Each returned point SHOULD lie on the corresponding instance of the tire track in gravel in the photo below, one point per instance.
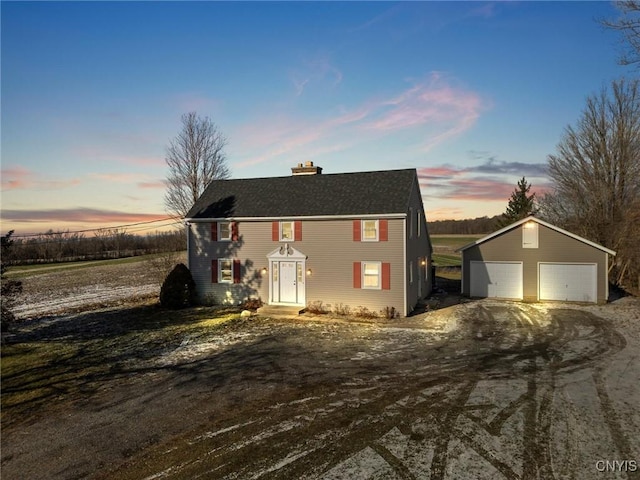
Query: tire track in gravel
(424, 417)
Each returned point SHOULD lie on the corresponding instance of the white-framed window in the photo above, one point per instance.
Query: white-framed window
(419, 222)
(299, 273)
(224, 231)
(372, 275)
(225, 270)
(411, 272)
(530, 235)
(410, 222)
(370, 230)
(287, 231)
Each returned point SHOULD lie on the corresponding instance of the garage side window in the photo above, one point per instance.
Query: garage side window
(530, 235)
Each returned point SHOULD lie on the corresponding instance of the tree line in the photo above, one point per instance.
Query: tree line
(105, 243)
(468, 226)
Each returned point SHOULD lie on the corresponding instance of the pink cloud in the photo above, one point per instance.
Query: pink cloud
(86, 215)
(446, 111)
(158, 184)
(20, 178)
(117, 177)
(443, 213)
(434, 110)
(16, 178)
(478, 189)
(141, 161)
(429, 173)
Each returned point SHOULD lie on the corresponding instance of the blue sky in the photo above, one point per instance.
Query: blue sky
(474, 95)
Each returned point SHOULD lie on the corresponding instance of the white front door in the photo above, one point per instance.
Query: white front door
(287, 271)
(288, 290)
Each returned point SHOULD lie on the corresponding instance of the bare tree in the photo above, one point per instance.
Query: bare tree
(195, 157)
(595, 174)
(629, 26)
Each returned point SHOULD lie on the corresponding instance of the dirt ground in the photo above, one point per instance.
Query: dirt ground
(483, 389)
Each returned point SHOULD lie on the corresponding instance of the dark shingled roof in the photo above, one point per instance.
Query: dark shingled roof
(361, 193)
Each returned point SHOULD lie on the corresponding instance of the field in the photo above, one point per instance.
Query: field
(79, 286)
(445, 246)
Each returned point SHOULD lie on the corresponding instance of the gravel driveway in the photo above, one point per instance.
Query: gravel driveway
(480, 390)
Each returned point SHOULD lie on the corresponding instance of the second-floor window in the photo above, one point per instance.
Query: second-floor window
(286, 231)
(224, 231)
(370, 230)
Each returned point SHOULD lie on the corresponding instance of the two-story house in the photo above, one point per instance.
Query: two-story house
(356, 239)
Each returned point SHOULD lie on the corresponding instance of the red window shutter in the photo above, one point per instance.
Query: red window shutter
(386, 276)
(214, 231)
(384, 230)
(357, 236)
(236, 271)
(234, 231)
(297, 231)
(275, 231)
(214, 270)
(357, 275)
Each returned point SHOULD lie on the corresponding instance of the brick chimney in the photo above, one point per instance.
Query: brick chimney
(306, 169)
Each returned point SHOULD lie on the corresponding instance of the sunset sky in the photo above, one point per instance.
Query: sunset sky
(473, 95)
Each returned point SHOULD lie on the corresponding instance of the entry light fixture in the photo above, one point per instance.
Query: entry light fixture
(309, 272)
(264, 270)
(423, 262)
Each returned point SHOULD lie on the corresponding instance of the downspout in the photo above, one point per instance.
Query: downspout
(606, 278)
(188, 225)
(404, 267)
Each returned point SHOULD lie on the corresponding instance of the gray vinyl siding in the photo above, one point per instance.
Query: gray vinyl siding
(553, 246)
(330, 251)
(418, 247)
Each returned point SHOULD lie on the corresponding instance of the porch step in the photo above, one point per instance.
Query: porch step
(279, 310)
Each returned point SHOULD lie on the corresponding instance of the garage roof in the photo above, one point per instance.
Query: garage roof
(541, 222)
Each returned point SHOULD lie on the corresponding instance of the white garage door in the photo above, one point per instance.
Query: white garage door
(572, 282)
(496, 279)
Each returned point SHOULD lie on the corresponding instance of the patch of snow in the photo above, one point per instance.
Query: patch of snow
(292, 457)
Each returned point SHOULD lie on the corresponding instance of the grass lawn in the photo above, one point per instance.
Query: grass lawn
(446, 260)
(445, 246)
(78, 354)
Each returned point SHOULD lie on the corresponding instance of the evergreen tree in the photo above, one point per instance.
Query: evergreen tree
(521, 204)
(178, 289)
(10, 288)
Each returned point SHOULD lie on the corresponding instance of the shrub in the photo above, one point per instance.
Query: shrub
(364, 312)
(389, 313)
(252, 304)
(10, 288)
(342, 309)
(316, 307)
(178, 289)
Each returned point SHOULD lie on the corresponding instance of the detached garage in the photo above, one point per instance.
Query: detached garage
(533, 260)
